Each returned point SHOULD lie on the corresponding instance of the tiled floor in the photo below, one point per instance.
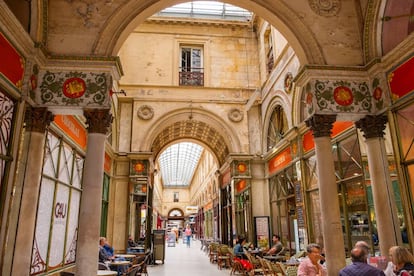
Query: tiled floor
(183, 261)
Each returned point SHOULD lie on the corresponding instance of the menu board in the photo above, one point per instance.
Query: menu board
(261, 225)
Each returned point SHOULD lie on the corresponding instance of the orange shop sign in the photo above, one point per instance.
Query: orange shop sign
(337, 128)
(280, 161)
(71, 127)
(107, 163)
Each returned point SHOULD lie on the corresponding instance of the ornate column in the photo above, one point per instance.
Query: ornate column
(321, 126)
(382, 191)
(37, 120)
(98, 122)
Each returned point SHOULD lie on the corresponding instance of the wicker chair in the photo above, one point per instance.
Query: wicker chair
(223, 256)
(257, 266)
(292, 270)
(212, 253)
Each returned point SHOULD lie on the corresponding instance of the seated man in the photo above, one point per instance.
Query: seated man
(103, 255)
(106, 253)
(277, 246)
(359, 266)
(131, 242)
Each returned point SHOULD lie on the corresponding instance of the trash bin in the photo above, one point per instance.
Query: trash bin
(159, 245)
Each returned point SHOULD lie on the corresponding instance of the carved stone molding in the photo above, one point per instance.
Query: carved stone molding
(38, 119)
(98, 120)
(145, 112)
(325, 7)
(235, 115)
(372, 126)
(321, 125)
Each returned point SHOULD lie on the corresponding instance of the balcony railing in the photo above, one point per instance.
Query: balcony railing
(192, 76)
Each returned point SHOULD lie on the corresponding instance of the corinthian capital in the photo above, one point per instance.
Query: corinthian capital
(37, 119)
(373, 126)
(321, 125)
(98, 120)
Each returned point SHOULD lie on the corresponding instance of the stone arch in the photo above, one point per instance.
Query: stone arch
(197, 125)
(175, 209)
(372, 33)
(133, 13)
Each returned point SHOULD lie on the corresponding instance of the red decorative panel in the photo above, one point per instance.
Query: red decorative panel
(12, 63)
(401, 78)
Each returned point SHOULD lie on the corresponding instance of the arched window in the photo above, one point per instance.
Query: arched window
(277, 127)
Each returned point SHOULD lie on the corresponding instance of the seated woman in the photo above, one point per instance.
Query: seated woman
(238, 249)
(402, 260)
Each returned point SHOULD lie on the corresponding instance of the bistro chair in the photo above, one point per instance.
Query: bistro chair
(131, 271)
(223, 256)
(236, 266)
(257, 267)
(292, 270)
(103, 266)
(212, 253)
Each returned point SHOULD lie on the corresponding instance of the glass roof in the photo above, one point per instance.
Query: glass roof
(178, 162)
(207, 9)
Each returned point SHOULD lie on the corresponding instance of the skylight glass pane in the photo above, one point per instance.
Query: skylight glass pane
(178, 162)
(207, 9)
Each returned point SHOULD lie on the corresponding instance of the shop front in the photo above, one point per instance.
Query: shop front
(358, 218)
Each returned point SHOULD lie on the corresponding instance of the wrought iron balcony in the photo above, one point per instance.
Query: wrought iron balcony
(192, 76)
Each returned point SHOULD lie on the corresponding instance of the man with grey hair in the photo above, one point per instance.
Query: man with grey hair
(359, 266)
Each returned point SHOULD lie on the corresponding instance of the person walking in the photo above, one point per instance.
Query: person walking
(188, 233)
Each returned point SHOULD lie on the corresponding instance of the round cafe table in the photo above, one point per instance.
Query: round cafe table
(117, 263)
(126, 256)
(106, 272)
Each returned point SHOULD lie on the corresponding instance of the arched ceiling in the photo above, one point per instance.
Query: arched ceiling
(320, 32)
(192, 129)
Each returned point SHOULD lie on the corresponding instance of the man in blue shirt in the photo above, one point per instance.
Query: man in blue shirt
(359, 266)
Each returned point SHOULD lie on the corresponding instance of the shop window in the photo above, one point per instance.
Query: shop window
(277, 127)
(283, 206)
(347, 158)
(191, 71)
(58, 209)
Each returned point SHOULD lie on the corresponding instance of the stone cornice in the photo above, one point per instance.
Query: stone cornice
(328, 71)
(95, 63)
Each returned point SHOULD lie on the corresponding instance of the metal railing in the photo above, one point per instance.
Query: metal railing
(191, 77)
